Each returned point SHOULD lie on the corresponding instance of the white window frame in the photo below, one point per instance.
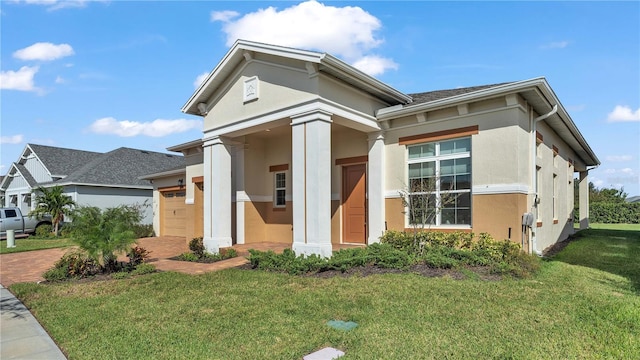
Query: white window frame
(277, 188)
(438, 158)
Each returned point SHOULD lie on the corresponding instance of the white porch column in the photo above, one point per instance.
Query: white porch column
(375, 187)
(240, 194)
(584, 199)
(217, 195)
(311, 183)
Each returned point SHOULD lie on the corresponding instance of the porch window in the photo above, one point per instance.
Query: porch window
(280, 193)
(13, 200)
(440, 182)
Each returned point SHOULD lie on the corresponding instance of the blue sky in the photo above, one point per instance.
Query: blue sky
(97, 75)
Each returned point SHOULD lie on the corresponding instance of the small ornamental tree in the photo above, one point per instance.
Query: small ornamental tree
(423, 202)
(103, 234)
(52, 201)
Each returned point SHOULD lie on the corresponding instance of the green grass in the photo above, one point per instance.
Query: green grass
(632, 227)
(29, 244)
(583, 304)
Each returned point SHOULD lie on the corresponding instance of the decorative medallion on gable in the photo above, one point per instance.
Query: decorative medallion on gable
(250, 89)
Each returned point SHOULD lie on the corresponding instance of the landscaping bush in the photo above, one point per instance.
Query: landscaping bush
(104, 233)
(137, 255)
(74, 264)
(44, 231)
(198, 254)
(614, 213)
(143, 230)
(196, 245)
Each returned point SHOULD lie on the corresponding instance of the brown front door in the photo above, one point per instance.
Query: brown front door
(354, 206)
(199, 210)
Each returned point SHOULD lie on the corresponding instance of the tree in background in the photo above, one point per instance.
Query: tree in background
(608, 205)
(52, 201)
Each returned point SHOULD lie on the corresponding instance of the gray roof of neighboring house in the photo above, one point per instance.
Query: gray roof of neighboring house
(633, 199)
(61, 161)
(419, 98)
(26, 175)
(123, 166)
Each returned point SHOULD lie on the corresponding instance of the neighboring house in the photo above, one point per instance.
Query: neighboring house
(89, 178)
(633, 199)
(302, 148)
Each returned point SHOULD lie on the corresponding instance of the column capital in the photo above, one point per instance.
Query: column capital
(375, 136)
(309, 116)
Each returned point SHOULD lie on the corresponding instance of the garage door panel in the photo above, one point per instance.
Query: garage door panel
(172, 222)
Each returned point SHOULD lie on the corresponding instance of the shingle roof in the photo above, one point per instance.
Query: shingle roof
(62, 161)
(124, 166)
(26, 175)
(419, 98)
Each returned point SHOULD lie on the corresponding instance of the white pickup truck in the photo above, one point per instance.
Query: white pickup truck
(12, 219)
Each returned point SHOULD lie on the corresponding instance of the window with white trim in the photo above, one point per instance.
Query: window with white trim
(279, 191)
(440, 182)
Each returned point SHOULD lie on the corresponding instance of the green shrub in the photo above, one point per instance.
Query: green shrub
(137, 255)
(188, 257)
(196, 245)
(103, 233)
(614, 213)
(143, 230)
(142, 269)
(56, 274)
(72, 265)
(44, 231)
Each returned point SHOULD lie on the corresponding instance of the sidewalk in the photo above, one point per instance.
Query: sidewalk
(21, 336)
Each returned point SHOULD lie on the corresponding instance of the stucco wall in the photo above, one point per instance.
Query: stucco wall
(279, 87)
(104, 197)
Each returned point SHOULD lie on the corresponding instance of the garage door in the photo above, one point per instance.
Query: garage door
(173, 210)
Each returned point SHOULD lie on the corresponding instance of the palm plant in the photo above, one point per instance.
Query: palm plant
(102, 234)
(52, 201)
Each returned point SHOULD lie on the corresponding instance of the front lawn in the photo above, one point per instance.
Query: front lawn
(29, 244)
(580, 305)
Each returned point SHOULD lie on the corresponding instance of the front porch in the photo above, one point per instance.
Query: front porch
(310, 182)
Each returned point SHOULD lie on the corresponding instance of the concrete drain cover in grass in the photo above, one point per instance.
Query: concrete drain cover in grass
(327, 353)
(342, 325)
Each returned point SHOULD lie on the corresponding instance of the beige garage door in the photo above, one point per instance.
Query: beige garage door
(173, 210)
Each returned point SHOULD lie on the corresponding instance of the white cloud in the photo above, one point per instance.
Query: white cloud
(200, 79)
(224, 16)
(374, 65)
(348, 32)
(619, 158)
(155, 128)
(19, 80)
(628, 171)
(14, 139)
(53, 5)
(44, 51)
(60, 80)
(623, 113)
(610, 171)
(555, 45)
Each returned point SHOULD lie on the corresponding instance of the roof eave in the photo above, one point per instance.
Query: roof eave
(366, 81)
(539, 83)
(185, 146)
(163, 174)
(232, 58)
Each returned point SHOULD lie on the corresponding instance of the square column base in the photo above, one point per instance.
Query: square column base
(213, 244)
(322, 250)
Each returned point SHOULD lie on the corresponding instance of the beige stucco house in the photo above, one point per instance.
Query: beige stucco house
(302, 148)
